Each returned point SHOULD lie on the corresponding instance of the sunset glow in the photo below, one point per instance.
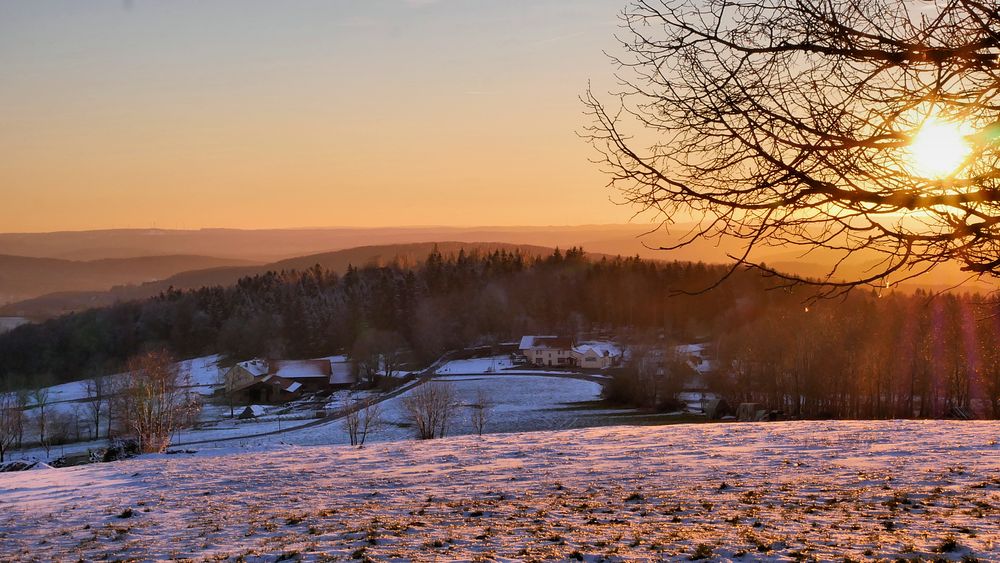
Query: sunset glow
(939, 149)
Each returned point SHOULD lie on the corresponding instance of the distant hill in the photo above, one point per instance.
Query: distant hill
(334, 248)
(270, 245)
(61, 302)
(25, 277)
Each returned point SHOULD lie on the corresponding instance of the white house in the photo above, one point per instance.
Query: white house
(561, 351)
(548, 350)
(596, 355)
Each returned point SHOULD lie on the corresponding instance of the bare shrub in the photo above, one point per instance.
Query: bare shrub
(479, 412)
(152, 403)
(431, 408)
(363, 417)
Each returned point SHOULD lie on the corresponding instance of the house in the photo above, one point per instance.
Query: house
(596, 355)
(547, 350)
(244, 373)
(562, 351)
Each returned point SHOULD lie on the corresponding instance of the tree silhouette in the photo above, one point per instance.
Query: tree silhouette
(794, 123)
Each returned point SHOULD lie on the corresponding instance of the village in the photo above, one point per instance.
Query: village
(540, 382)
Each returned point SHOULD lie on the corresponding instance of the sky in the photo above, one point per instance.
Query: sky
(264, 114)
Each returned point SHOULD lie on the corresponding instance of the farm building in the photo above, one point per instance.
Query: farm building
(313, 375)
(268, 389)
(275, 381)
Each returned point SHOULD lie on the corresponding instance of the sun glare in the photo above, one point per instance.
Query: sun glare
(938, 150)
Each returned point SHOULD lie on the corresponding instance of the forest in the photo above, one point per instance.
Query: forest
(864, 355)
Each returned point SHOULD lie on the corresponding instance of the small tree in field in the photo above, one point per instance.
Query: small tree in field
(10, 420)
(230, 381)
(22, 398)
(97, 393)
(40, 395)
(363, 417)
(431, 408)
(480, 411)
(151, 403)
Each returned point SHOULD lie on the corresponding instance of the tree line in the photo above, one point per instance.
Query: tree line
(868, 356)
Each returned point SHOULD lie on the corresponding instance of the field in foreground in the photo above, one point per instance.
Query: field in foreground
(782, 491)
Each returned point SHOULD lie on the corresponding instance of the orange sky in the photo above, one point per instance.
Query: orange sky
(246, 113)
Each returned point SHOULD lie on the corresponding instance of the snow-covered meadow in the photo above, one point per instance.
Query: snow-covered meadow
(768, 491)
(520, 403)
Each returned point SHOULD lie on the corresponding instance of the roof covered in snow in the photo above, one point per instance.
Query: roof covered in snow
(300, 369)
(255, 367)
(546, 343)
(600, 348)
(274, 381)
(341, 373)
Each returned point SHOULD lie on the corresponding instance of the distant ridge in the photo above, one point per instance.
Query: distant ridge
(23, 277)
(56, 303)
(270, 245)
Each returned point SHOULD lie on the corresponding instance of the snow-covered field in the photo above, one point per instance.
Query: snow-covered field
(778, 491)
(520, 403)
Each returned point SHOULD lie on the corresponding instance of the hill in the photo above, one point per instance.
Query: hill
(270, 245)
(61, 302)
(24, 277)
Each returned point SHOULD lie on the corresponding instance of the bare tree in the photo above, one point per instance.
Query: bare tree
(230, 381)
(40, 397)
(97, 393)
(431, 407)
(480, 411)
(152, 403)
(866, 129)
(363, 417)
(22, 397)
(10, 416)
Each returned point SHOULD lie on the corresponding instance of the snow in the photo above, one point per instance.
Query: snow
(10, 323)
(302, 369)
(601, 347)
(202, 372)
(23, 465)
(255, 367)
(539, 342)
(476, 365)
(341, 373)
(748, 492)
(520, 403)
(66, 392)
(256, 410)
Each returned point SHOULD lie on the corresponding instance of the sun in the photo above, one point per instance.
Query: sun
(938, 149)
